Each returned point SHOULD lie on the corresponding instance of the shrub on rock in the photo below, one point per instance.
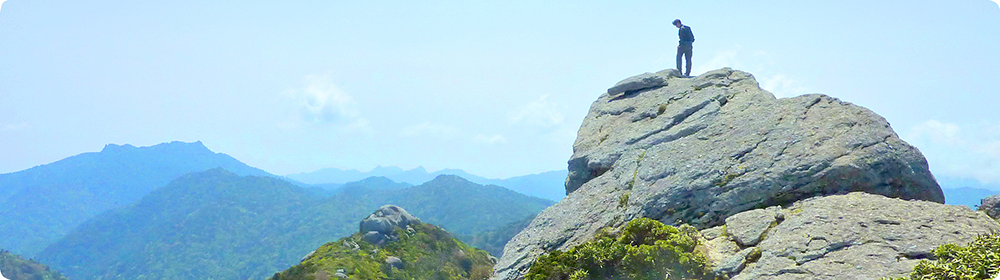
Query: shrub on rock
(979, 260)
(642, 249)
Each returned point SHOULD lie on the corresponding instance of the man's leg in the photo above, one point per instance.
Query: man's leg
(680, 52)
(687, 55)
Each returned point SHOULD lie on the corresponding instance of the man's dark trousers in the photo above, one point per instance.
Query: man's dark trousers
(684, 50)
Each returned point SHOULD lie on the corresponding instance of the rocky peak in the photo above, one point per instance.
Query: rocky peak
(698, 150)
(380, 227)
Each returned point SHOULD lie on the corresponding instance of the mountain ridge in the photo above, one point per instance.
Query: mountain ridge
(42, 203)
(547, 185)
(221, 225)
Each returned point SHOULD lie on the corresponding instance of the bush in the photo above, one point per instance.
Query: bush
(979, 260)
(642, 249)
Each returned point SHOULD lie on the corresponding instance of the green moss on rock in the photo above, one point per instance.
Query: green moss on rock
(427, 252)
(642, 249)
(979, 260)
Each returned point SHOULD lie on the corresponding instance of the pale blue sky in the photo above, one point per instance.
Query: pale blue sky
(497, 88)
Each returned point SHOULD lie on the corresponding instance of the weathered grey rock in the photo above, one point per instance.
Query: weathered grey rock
(735, 263)
(386, 219)
(644, 81)
(376, 238)
(748, 227)
(341, 274)
(394, 262)
(852, 236)
(310, 254)
(991, 205)
(702, 149)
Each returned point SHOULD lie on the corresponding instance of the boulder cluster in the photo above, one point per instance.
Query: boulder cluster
(808, 185)
(380, 227)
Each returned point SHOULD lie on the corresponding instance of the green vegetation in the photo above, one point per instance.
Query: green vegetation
(427, 252)
(642, 249)
(623, 199)
(14, 267)
(216, 224)
(979, 260)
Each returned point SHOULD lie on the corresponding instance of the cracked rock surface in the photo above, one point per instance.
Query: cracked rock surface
(698, 150)
(852, 236)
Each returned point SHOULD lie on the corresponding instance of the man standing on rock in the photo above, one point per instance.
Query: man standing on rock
(685, 47)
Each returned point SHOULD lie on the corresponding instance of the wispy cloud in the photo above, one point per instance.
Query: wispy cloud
(15, 127)
(960, 150)
(782, 86)
(726, 58)
(320, 101)
(540, 113)
(427, 129)
(762, 65)
(489, 140)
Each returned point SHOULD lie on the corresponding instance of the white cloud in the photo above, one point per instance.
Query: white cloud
(960, 150)
(761, 64)
(782, 86)
(727, 58)
(320, 101)
(17, 127)
(490, 140)
(540, 113)
(430, 129)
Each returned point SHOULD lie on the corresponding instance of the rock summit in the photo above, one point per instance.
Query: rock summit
(700, 150)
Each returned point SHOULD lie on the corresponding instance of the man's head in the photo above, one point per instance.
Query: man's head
(677, 23)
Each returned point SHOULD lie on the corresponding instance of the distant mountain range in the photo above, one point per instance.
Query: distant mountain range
(219, 225)
(548, 185)
(41, 204)
(965, 191)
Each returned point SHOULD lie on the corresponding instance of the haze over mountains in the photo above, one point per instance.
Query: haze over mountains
(42, 203)
(216, 224)
(547, 185)
(178, 210)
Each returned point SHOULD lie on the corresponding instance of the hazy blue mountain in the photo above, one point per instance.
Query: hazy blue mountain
(493, 241)
(547, 185)
(41, 204)
(216, 224)
(966, 192)
(461, 206)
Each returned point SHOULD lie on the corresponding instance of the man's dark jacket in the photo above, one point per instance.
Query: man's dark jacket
(686, 36)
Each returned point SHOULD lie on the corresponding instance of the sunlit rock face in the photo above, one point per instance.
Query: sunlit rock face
(698, 150)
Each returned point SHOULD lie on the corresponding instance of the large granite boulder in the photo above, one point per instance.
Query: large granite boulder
(380, 227)
(991, 205)
(852, 236)
(698, 150)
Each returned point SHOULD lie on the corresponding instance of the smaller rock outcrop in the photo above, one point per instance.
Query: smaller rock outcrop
(392, 244)
(380, 227)
(852, 236)
(644, 81)
(394, 262)
(991, 205)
